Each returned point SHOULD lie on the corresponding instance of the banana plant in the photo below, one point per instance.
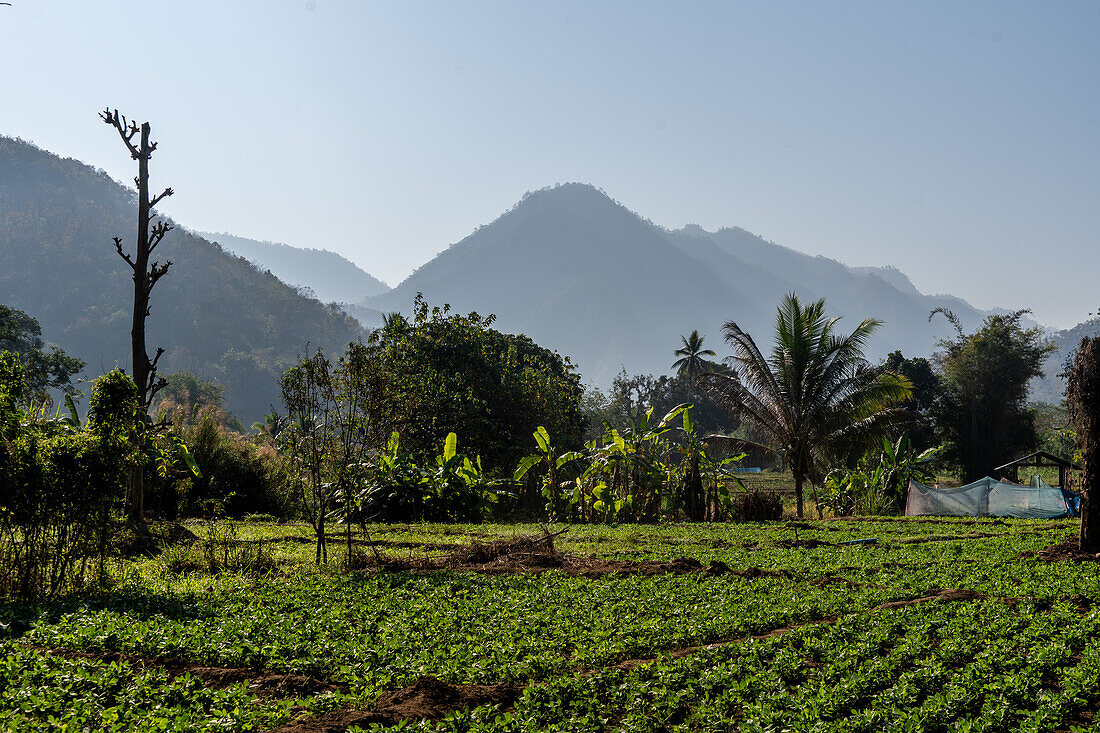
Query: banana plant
(625, 475)
(459, 487)
(704, 481)
(548, 455)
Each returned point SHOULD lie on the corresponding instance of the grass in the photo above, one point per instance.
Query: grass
(1021, 654)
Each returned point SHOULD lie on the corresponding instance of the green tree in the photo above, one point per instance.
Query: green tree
(691, 361)
(927, 391)
(44, 369)
(816, 396)
(626, 403)
(983, 413)
(449, 373)
(60, 482)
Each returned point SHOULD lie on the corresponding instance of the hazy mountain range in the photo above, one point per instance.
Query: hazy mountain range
(580, 273)
(330, 277)
(567, 265)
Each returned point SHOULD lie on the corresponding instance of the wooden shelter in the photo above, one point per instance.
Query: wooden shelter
(1039, 459)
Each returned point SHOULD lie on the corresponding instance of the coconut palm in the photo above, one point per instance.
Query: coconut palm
(816, 397)
(691, 361)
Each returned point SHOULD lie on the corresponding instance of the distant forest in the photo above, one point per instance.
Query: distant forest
(215, 314)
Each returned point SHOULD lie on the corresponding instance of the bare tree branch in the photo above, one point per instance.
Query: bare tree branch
(156, 272)
(157, 234)
(123, 255)
(126, 130)
(157, 199)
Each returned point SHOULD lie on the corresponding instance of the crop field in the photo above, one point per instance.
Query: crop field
(938, 625)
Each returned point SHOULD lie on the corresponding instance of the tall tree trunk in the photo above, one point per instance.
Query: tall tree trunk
(145, 276)
(798, 493)
(1083, 401)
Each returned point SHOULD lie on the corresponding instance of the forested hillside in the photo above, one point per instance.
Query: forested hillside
(332, 277)
(214, 314)
(582, 274)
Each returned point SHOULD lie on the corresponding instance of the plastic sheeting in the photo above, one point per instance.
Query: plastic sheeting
(988, 497)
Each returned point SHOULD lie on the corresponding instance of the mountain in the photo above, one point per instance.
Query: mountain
(580, 273)
(333, 278)
(1051, 387)
(215, 314)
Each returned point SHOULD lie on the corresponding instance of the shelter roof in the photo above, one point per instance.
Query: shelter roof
(1039, 459)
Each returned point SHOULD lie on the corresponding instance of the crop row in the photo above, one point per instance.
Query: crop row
(980, 666)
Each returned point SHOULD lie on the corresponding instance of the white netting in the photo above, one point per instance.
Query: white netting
(988, 498)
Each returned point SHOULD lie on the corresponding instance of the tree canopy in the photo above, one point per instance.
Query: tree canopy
(983, 412)
(454, 373)
(45, 367)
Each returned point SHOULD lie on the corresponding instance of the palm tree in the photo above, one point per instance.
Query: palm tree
(691, 361)
(816, 396)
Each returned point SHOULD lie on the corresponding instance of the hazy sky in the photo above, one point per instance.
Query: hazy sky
(957, 141)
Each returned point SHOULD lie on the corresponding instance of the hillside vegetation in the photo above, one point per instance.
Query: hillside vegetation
(214, 314)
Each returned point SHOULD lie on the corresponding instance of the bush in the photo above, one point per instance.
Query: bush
(756, 505)
(238, 476)
(59, 482)
(221, 551)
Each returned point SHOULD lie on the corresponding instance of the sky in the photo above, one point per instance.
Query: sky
(955, 141)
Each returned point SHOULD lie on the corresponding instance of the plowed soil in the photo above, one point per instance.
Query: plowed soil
(265, 683)
(1068, 551)
(426, 699)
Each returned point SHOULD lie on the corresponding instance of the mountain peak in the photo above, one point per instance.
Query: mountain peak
(569, 196)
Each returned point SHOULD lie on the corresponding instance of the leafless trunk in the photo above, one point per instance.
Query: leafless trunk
(1083, 401)
(145, 276)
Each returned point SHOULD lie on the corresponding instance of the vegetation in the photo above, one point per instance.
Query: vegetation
(983, 414)
(691, 362)
(43, 370)
(807, 633)
(60, 482)
(449, 373)
(816, 398)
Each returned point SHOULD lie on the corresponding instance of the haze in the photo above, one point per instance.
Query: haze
(956, 142)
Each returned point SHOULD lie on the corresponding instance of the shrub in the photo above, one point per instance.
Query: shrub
(238, 477)
(59, 483)
(221, 551)
(756, 505)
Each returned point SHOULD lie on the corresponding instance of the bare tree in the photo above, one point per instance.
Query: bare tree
(150, 234)
(1083, 401)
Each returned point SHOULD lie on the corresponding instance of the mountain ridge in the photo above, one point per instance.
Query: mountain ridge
(215, 314)
(646, 279)
(332, 277)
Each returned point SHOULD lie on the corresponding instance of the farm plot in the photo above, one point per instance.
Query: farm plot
(938, 625)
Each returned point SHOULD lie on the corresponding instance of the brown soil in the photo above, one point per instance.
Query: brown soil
(536, 553)
(427, 699)
(265, 683)
(1067, 551)
(947, 595)
(808, 544)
